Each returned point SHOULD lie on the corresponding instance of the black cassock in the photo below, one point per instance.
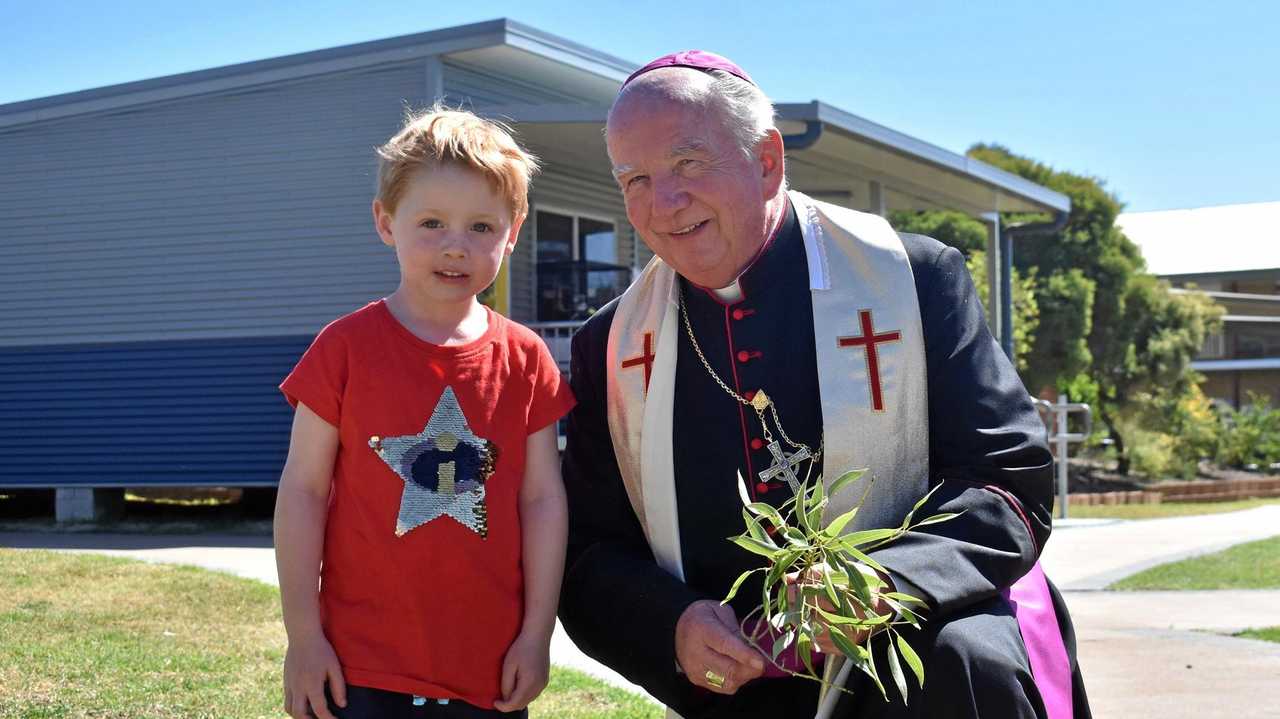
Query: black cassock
(986, 440)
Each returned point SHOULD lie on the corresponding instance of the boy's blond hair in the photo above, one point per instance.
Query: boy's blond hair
(440, 135)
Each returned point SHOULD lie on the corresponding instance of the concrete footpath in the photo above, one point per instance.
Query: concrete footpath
(1144, 654)
(1167, 654)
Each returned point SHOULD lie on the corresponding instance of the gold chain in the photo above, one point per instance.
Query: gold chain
(758, 402)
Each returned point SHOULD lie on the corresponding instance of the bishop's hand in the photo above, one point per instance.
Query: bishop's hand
(813, 576)
(710, 649)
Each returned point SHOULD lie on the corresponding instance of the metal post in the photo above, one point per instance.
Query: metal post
(1060, 434)
(993, 274)
(1006, 294)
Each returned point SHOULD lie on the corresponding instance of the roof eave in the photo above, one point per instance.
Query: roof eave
(918, 149)
(290, 67)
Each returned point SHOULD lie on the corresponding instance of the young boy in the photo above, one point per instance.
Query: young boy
(422, 491)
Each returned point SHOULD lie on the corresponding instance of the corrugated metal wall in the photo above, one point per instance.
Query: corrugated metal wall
(187, 412)
(241, 214)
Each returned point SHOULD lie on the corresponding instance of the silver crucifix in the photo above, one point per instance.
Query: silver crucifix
(784, 464)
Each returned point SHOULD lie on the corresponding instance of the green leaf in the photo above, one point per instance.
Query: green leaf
(737, 583)
(860, 556)
(781, 643)
(936, 519)
(913, 660)
(857, 581)
(922, 502)
(768, 512)
(837, 619)
(755, 530)
(896, 670)
(815, 514)
(804, 647)
(854, 540)
(909, 616)
(870, 670)
(837, 525)
(832, 596)
(844, 480)
(848, 648)
(742, 491)
(755, 546)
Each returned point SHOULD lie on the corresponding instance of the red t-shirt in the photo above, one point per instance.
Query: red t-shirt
(421, 585)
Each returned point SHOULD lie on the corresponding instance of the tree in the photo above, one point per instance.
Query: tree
(1105, 324)
(969, 235)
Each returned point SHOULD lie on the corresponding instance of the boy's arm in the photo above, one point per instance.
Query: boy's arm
(544, 529)
(302, 505)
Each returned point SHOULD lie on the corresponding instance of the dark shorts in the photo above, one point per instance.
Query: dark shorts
(366, 703)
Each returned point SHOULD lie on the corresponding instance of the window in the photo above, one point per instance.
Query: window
(577, 264)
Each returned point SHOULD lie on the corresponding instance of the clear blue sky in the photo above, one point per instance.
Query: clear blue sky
(1174, 104)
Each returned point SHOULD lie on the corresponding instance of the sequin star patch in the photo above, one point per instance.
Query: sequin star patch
(444, 468)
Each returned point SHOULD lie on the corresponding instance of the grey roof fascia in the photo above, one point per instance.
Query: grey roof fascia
(567, 51)
(377, 52)
(1255, 273)
(1247, 319)
(1235, 364)
(914, 148)
(1237, 296)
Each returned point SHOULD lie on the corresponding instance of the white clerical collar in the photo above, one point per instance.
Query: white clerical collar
(729, 295)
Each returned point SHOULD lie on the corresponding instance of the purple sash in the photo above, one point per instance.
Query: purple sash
(1050, 667)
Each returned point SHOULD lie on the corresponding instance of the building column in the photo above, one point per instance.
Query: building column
(87, 504)
(435, 79)
(995, 289)
(875, 199)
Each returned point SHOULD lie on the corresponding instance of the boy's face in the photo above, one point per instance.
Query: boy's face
(450, 232)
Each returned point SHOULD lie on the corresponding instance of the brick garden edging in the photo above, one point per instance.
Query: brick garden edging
(1197, 491)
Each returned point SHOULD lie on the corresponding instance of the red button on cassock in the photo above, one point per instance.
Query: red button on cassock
(738, 314)
(762, 488)
(743, 355)
(757, 443)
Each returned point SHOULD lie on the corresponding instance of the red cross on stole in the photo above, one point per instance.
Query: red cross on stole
(868, 340)
(645, 359)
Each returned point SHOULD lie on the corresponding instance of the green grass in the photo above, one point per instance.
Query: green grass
(1164, 509)
(1267, 634)
(89, 636)
(1255, 565)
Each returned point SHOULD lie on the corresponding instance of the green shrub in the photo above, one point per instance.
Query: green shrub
(1153, 455)
(1250, 435)
(1197, 431)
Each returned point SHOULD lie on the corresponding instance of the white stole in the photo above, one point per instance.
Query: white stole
(856, 265)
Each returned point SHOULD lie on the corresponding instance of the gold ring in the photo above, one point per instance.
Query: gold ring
(714, 679)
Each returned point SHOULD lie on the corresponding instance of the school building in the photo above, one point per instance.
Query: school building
(169, 247)
(1232, 253)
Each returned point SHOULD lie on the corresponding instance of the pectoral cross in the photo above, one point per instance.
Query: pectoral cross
(784, 464)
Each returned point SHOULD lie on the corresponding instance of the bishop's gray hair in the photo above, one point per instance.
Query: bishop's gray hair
(747, 111)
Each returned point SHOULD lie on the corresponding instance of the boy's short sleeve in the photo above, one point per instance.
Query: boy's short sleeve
(552, 398)
(319, 377)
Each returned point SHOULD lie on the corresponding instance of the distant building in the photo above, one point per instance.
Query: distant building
(1232, 252)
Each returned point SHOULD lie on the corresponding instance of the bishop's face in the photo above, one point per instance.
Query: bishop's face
(696, 199)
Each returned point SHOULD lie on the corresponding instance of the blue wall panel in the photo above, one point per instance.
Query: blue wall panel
(173, 413)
